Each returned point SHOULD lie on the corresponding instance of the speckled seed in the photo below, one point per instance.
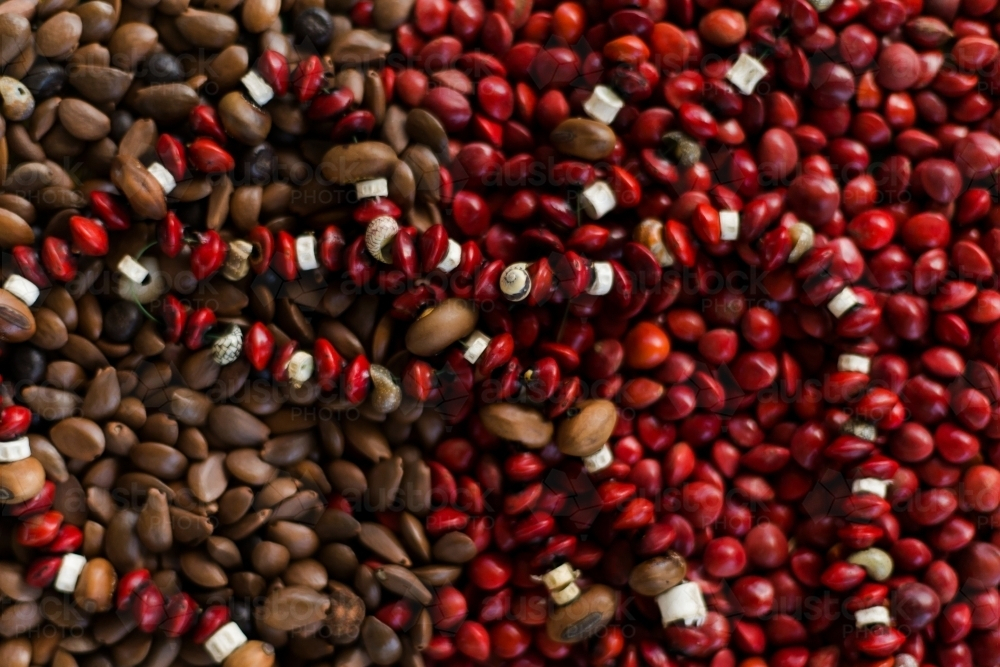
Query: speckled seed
(588, 430)
(517, 423)
(440, 326)
(582, 138)
(18, 102)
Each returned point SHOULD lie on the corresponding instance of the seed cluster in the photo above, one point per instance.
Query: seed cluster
(452, 332)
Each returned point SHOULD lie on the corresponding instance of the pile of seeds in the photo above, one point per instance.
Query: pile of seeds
(406, 331)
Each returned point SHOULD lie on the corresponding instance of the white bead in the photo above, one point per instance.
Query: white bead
(877, 563)
(378, 235)
(878, 487)
(598, 200)
(821, 6)
(603, 105)
(559, 577)
(163, 177)
(685, 603)
(860, 429)
(227, 348)
(904, 660)
(300, 367)
(601, 280)
(871, 616)
(599, 460)
(376, 187)
(730, 223)
(854, 363)
(746, 73)
(515, 283)
(475, 345)
(843, 302)
(305, 252)
(803, 238)
(649, 233)
(259, 89)
(15, 450)
(565, 595)
(451, 258)
(22, 288)
(133, 270)
(69, 572)
(224, 641)
(237, 260)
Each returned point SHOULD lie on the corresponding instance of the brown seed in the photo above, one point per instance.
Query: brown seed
(276, 491)
(131, 412)
(19, 618)
(141, 189)
(394, 128)
(269, 559)
(15, 34)
(367, 439)
(424, 127)
(374, 97)
(59, 36)
(306, 572)
(208, 30)
(518, 423)
(426, 171)
(187, 406)
(65, 375)
(340, 561)
(244, 206)
(100, 85)
(78, 438)
(207, 478)
(218, 211)
(287, 449)
(390, 14)
(95, 589)
(438, 575)
(104, 395)
(227, 67)
(254, 653)
(237, 427)
(414, 538)
(98, 21)
(583, 138)
(13, 585)
(14, 230)
(294, 607)
(153, 526)
(247, 466)
(140, 140)
(380, 641)
(158, 459)
(357, 48)
(165, 103)
(15, 652)
(347, 611)
(588, 430)
(454, 547)
(119, 438)
(130, 44)
(121, 544)
(402, 581)
(337, 526)
(384, 543)
(49, 457)
(584, 616)
(300, 540)
(383, 483)
(258, 15)
(440, 326)
(199, 568)
(349, 163)
(367, 587)
(658, 574)
(50, 330)
(191, 528)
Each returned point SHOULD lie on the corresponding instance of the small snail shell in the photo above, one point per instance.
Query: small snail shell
(379, 234)
(515, 283)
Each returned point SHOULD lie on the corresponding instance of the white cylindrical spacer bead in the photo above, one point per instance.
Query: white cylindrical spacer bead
(237, 260)
(872, 616)
(683, 603)
(451, 258)
(841, 304)
(378, 235)
(565, 595)
(224, 641)
(860, 429)
(133, 270)
(163, 177)
(515, 282)
(854, 363)
(821, 6)
(305, 252)
(559, 577)
(227, 348)
(601, 280)
(878, 487)
(69, 572)
(803, 237)
(260, 91)
(746, 73)
(475, 344)
(598, 199)
(599, 460)
(904, 660)
(730, 223)
(603, 105)
(15, 450)
(300, 367)
(22, 288)
(376, 187)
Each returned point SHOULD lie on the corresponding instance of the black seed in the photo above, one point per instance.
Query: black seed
(121, 121)
(163, 68)
(257, 164)
(313, 28)
(122, 321)
(27, 365)
(44, 80)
